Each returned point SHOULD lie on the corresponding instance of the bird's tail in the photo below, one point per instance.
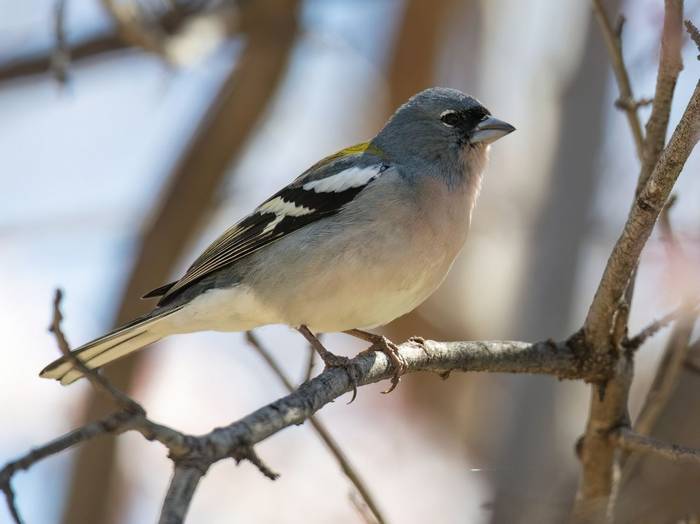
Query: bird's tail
(112, 346)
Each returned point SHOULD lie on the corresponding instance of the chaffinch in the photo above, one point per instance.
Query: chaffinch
(357, 240)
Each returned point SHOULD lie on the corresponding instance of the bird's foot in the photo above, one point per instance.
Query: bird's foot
(386, 346)
(331, 360)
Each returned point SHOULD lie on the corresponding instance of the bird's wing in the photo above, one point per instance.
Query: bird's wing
(319, 192)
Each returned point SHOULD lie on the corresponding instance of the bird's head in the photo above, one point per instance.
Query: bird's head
(442, 125)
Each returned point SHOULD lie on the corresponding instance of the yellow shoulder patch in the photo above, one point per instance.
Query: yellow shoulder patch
(357, 149)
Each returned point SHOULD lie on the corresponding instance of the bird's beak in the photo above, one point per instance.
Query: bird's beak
(490, 130)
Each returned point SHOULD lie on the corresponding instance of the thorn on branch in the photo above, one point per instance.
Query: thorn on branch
(249, 454)
(694, 33)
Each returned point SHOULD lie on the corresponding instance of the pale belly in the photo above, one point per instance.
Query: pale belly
(357, 296)
(332, 301)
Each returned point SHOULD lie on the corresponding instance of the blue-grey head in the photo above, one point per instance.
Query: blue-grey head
(441, 125)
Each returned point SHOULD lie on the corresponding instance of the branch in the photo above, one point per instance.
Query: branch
(670, 66)
(26, 66)
(557, 359)
(60, 59)
(673, 360)
(613, 41)
(323, 433)
(677, 348)
(630, 441)
(694, 34)
(96, 379)
(114, 423)
(606, 321)
(640, 223)
(180, 491)
(679, 314)
(169, 22)
(193, 455)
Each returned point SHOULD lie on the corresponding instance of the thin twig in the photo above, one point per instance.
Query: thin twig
(60, 58)
(97, 46)
(631, 441)
(95, 378)
(676, 350)
(322, 432)
(110, 424)
(613, 41)
(679, 313)
(11, 504)
(670, 66)
(667, 373)
(694, 34)
(361, 507)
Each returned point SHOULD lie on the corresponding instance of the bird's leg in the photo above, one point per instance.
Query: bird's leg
(329, 359)
(386, 346)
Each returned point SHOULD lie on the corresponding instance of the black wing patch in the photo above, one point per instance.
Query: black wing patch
(288, 210)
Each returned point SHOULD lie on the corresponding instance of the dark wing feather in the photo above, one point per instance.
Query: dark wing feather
(159, 291)
(286, 211)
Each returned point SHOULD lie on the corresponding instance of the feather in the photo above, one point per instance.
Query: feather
(321, 191)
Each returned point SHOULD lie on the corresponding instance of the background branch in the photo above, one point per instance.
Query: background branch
(323, 433)
(613, 41)
(631, 441)
(606, 323)
(232, 117)
(170, 22)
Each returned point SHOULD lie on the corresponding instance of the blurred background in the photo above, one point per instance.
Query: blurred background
(130, 137)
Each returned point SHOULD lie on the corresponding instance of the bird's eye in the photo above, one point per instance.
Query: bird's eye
(449, 118)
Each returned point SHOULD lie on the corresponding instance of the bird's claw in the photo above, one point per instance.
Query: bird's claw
(392, 352)
(338, 361)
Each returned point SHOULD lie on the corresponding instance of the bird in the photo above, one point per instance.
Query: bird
(360, 238)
